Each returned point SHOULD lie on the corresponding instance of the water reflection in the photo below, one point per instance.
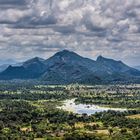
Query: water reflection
(70, 105)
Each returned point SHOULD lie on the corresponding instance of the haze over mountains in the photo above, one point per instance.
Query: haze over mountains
(5, 63)
(137, 67)
(68, 67)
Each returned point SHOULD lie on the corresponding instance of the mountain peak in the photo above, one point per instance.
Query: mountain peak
(36, 59)
(10, 66)
(100, 58)
(33, 60)
(68, 55)
(65, 52)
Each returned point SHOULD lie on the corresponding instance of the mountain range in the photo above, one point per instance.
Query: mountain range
(67, 67)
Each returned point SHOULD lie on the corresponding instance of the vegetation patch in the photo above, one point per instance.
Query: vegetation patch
(31, 113)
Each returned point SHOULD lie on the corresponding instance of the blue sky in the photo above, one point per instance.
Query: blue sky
(89, 27)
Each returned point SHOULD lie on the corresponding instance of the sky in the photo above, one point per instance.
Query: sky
(110, 28)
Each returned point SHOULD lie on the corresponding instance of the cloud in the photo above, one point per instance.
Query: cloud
(89, 27)
(12, 2)
(8, 4)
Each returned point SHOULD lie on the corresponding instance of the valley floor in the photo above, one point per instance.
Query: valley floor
(32, 112)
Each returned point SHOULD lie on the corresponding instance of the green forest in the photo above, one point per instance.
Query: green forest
(30, 112)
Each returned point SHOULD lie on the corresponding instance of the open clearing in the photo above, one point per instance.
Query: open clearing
(134, 116)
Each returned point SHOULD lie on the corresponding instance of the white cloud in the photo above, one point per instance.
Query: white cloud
(91, 27)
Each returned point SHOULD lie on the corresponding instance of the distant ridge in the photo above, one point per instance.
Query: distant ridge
(66, 67)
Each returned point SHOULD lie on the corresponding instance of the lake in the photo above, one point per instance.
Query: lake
(70, 105)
